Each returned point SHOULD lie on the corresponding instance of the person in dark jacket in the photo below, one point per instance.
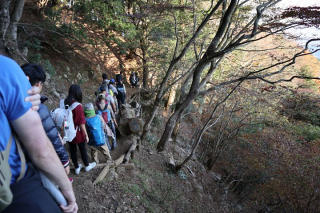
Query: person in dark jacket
(37, 77)
(134, 79)
(121, 90)
(52, 133)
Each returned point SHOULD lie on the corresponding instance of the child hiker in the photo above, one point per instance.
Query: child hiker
(96, 131)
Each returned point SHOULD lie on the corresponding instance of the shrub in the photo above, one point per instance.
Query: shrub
(307, 132)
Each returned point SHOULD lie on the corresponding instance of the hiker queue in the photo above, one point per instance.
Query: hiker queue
(34, 163)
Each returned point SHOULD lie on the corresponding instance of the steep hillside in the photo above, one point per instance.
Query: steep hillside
(250, 174)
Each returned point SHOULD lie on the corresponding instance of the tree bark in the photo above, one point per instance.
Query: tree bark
(4, 23)
(8, 28)
(171, 98)
(147, 126)
(145, 70)
(174, 61)
(193, 92)
(209, 56)
(176, 128)
(168, 131)
(15, 17)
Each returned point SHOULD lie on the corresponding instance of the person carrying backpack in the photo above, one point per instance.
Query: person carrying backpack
(106, 113)
(81, 138)
(121, 90)
(112, 87)
(105, 79)
(106, 83)
(96, 130)
(114, 93)
(21, 189)
(37, 77)
(110, 100)
(134, 79)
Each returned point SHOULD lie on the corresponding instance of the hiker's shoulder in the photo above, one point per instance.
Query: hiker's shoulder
(13, 89)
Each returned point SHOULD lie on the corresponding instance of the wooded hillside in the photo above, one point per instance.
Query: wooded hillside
(230, 102)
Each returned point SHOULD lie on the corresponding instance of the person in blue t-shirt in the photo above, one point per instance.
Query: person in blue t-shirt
(28, 193)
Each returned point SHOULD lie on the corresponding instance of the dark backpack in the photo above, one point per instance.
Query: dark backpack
(118, 77)
(120, 88)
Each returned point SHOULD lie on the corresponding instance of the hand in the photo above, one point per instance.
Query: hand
(115, 123)
(34, 97)
(87, 139)
(72, 206)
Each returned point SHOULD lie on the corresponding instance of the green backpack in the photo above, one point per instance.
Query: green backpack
(5, 173)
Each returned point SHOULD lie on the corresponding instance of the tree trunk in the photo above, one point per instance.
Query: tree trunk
(194, 90)
(157, 101)
(147, 125)
(145, 70)
(12, 33)
(176, 129)
(172, 97)
(8, 28)
(168, 131)
(15, 17)
(4, 23)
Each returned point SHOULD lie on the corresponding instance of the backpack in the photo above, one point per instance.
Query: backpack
(5, 170)
(95, 131)
(120, 88)
(105, 114)
(118, 77)
(63, 119)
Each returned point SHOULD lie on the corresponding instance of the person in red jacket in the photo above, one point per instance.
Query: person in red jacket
(75, 95)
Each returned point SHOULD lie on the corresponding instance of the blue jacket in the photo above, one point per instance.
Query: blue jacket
(52, 133)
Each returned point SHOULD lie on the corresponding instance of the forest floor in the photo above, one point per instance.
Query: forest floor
(150, 186)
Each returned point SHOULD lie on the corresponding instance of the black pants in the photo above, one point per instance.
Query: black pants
(83, 152)
(121, 97)
(30, 196)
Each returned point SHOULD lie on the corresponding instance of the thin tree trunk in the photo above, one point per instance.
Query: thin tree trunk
(208, 57)
(147, 126)
(12, 33)
(15, 17)
(4, 23)
(204, 129)
(176, 129)
(194, 90)
(174, 61)
(168, 131)
(145, 70)
(171, 98)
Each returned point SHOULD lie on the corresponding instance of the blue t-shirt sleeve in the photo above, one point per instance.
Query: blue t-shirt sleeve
(14, 86)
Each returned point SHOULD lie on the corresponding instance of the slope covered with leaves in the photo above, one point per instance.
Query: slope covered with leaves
(270, 164)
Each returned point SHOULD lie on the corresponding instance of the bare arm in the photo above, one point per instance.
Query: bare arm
(114, 108)
(42, 154)
(84, 130)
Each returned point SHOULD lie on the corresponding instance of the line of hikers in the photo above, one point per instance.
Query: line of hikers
(98, 127)
(32, 179)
